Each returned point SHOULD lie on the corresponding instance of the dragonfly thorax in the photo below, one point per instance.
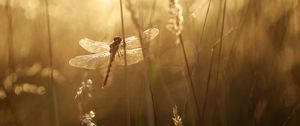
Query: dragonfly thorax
(117, 40)
(115, 45)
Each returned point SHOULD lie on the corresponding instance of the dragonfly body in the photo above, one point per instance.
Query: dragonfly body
(114, 47)
(104, 55)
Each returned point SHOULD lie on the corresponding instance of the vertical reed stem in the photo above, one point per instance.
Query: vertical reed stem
(209, 74)
(10, 43)
(198, 61)
(210, 69)
(202, 32)
(11, 62)
(54, 96)
(152, 13)
(147, 72)
(221, 41)
(207, 85)
(125, 67)
(138, 27)
(220, 52)
(189, 75)
(123, 33)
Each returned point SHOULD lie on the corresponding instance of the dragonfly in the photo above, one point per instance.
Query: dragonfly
(103, 54)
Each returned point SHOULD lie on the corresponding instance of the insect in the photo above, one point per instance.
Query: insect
(103, 55)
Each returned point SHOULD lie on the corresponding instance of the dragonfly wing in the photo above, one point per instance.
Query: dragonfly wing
(93, 46)
(133, 56)
(92, 61)
(150, 34)
(132, 42)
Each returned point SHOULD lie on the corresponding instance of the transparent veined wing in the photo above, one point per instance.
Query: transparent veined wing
(133, 41)
(93, 46)
(133, 56)
(150, 34)
(92, 61)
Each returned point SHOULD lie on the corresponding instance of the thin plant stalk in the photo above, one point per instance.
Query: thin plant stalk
(221, 41)
(11, 62)
(152, 13)
(210, 72)
(221, 46)
(198, 57)
(10, 43)
(123, 33)
(125, 67)
(202, 32)
(145, 55)
(175, 25)
(189, 75)
(50, 52)
(207, 84)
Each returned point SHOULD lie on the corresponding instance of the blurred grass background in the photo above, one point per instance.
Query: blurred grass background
(255, 80)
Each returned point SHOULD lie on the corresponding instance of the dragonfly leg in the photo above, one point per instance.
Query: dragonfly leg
(119, 53)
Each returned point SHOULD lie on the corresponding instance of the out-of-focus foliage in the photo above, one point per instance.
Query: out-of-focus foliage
(16, 82)
(176, 118)
(84, 86)
(87, 119)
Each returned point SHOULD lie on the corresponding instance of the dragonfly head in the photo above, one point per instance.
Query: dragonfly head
(117, 40)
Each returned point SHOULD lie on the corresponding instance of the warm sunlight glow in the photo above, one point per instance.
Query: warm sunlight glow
(149, 62)
(106, 2)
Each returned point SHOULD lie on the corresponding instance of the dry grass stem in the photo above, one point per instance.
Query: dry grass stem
(125, 62)
(175, 25)
(50, 54)
(145, 51)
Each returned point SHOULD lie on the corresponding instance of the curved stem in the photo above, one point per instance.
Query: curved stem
(192, 86)
(125, 67)
(50, 52)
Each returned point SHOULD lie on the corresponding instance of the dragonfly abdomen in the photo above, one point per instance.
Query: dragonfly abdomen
(113, 51)
(108, 71)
